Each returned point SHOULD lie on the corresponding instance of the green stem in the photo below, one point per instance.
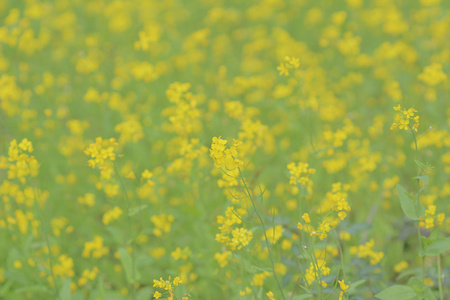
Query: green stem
(242, 269)
(264, 230)
(128, 203)
(124, 190)
(317, 269)
(419, 236)
(46, 239)
(420, 247)
(341, 252)
(441, 294)
(319, 279)
(415, 140)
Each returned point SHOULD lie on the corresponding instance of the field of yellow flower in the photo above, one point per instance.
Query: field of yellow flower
(224, 149)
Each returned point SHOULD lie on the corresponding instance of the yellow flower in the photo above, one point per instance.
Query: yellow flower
(111, 215)
(428, 281)
(274, 234)
(403, 119)
(432, 75)
(17, 264)
(177, 281)
(101, 152)
(270, 295)
(401, 266)
(306, 218)
(283, 69)
(146, 174)
(342, 285)
(291, 63)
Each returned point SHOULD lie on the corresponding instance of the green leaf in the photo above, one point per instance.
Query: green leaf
(423, 167)
(354, 285)
(134, 210)
(408, 204)
(422, 290)
(396, 292)
(64, 293)
(100, 288)
(33, 288)
(437, 247)
(407, 273)
(79, 295)
(432, 237)
(423, 178)
(421, 209)
(428, 294)
(5, 287)
(145, 293)
(127, 262)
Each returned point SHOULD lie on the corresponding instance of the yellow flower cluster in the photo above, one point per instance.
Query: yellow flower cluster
(103, 155)
(291, 63)
(343, 287)
(88, 275)
(365, 251)
(270, 295)
(164, 78)
(64, 267)
(20, 163)
(189, 152)
(130, 130)
(337, 199)
(224, 156)
(58, 224)
(259, 278)
(401, 266)
(316, 269)
(184, 116)
(222, 258)
(403, 118)
(274, 234)
(322, 230)
(95, 248)
(87, 199)
(245, 292)
(17, 196)
(233, 237)
(181, 253)
(432, 75)
(168, 286)
(300, 173)
(428, 221)
(163, 223)
(112, 215)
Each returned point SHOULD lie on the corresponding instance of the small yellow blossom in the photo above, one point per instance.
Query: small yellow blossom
(401, 266)
(111, 215)
(306, 218)
(432, 75)
(270, 295)
(290, 64)
(428, 281)
(403, 118)
(17, 264)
